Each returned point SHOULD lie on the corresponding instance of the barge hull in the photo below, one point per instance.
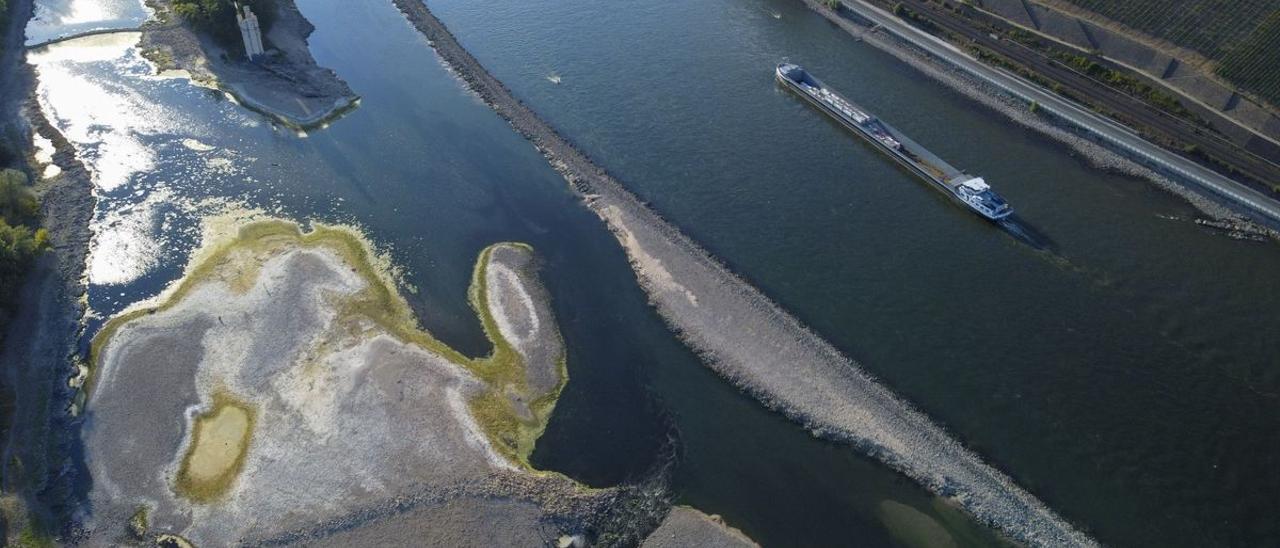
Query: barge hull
(888, 140)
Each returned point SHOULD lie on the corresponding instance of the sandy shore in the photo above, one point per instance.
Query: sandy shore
(756, 345)
(286, 85)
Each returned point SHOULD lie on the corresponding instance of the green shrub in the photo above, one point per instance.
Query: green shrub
(4, 21)
(17, 202)
(19, 243)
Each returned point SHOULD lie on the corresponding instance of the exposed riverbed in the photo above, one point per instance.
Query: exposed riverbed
(284, 376)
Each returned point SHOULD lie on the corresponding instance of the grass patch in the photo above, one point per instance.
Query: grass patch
(30, 538)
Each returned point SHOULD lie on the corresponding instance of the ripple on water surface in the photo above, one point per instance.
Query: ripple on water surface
(154, 148)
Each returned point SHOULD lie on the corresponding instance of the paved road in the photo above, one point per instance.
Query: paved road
(1117, 136)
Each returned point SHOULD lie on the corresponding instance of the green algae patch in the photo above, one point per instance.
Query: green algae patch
(173, 541)
(504, 370)
(139, 524)
(941, 524)
(219, 443)
(509, 414)
(911, 527)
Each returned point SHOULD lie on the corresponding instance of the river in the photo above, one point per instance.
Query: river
(1126, 374)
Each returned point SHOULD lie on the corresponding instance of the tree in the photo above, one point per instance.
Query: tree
(202, 11)
(17, 203)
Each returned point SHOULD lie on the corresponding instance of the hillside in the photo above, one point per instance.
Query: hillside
(1242, 37)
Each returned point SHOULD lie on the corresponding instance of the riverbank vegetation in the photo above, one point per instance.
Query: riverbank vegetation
(20, 239)
(1127, 83)
(4, 18)
(914, 18)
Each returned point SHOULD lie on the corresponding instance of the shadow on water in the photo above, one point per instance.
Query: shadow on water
(1026, 233)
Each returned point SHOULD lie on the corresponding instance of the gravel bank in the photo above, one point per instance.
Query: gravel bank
(755, 344)
(286, 84)
(685, 526)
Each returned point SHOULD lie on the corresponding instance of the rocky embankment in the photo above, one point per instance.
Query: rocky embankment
(755, 344)
(286, 84)
(282, 393)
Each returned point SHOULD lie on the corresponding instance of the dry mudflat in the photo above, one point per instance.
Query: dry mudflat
(283, 391)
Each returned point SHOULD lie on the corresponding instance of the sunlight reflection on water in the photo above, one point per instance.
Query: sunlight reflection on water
(54, 18)
(143, 145)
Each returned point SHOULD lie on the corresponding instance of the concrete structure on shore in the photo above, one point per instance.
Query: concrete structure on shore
(294, 91)
(250, 32)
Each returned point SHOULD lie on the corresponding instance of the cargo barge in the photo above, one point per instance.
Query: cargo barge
(971, 191)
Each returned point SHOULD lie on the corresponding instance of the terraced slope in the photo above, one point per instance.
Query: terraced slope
(1241, 36)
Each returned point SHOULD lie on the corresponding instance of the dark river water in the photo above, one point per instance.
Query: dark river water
(1128, 375)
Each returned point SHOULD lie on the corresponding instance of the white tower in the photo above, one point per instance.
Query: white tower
(250, 32)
